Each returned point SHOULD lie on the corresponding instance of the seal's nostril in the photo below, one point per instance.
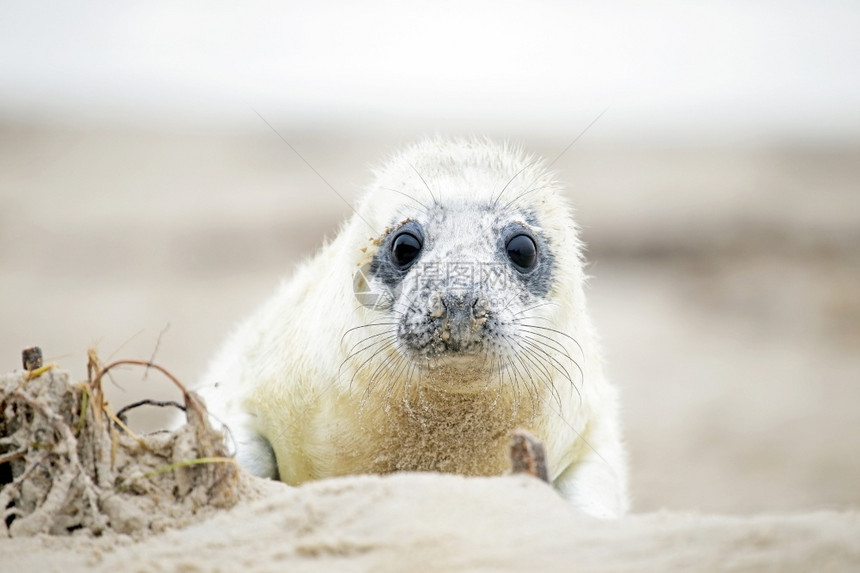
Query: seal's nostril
(435, 305)
(480, 308)
(461, 308)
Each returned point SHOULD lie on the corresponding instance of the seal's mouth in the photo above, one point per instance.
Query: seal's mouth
(457, 372)
(458, 361)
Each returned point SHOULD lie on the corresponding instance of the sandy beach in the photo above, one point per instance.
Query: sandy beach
(725, 283)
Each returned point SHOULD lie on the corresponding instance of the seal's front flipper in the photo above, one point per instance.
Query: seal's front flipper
(528, 455)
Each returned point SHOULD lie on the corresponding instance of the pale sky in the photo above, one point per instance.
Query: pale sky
(731, 69)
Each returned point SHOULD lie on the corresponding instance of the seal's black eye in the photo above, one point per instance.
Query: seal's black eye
(405, 249)
(523, 252)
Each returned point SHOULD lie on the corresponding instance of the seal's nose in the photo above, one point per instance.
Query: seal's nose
(450, 304)
(460, 313)
(459, 303)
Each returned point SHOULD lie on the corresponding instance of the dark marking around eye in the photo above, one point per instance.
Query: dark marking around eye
(536, 278)
(405, 244)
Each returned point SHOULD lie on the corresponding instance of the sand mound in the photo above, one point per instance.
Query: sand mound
(430, 522)
(70, 464)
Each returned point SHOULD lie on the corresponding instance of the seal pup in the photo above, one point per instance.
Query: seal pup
(448, 312)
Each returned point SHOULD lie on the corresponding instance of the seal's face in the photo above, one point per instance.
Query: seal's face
(465, 278)
(474, 273)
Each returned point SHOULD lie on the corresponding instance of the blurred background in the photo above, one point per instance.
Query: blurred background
(145, 207)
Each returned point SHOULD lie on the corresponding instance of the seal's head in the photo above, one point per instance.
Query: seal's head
(478, 259)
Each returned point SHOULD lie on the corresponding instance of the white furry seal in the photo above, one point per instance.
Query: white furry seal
(470, 322)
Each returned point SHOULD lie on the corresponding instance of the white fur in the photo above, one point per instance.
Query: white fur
(283, 378)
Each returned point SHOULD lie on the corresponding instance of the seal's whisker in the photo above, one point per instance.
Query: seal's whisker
(389, 344)
(500, 391)
(559, 332)
(366, 338)
(523, 194)
(495, 201)
(491, 378)
(540, 364)
(424, 181)
(337, 377)
(535, 317)
(507, 304)
(408, 196)
(536, 384)
(555, 364)
(391, 337)
(368, 325)
(546, 350)
(515, 386)
(389, 369)
(381, 367)
(566, 355)
(407, 390)
(394, 377)
(558, 346)
(533, 386)
(372, 382)
(542, 304)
